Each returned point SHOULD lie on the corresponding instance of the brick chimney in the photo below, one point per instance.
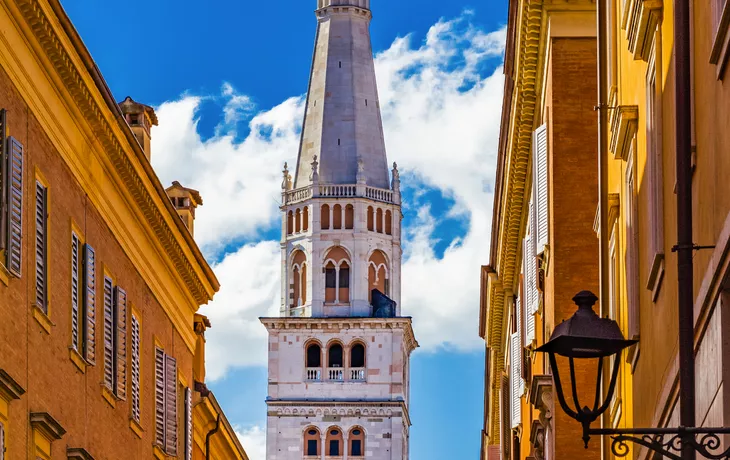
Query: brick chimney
(140, 118)
(185, 201)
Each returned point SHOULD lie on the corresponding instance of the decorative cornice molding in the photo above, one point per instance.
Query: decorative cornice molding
(624, 124)
(299, 323)
(136, 182)
(47, 425)
(78, 454)
(640, 21)
(339, 408)
(9, 388)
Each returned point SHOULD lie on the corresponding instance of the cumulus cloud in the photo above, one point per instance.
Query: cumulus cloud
(253, 441)
(441, 120)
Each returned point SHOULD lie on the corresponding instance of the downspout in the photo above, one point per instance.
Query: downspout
(603, 238)
(685, 245)
(209, 435)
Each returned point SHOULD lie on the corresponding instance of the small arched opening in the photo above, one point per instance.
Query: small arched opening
(337, 217)
(379, 220)
(349, 217)
(334, 442)
(378, 274)
(388, 222)
(371, 219)
(314, 361)
(311, 442)
(357, 442)
(290, 223)
(337, 276)
(305, 219)
(298, 280)
(325, 217)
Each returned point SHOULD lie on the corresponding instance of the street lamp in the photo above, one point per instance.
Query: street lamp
(587, 336)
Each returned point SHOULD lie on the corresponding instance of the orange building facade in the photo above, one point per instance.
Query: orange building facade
(102, 353)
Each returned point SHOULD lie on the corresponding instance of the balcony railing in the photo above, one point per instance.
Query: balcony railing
(357, 374)
(336, 374)
(338, 191)
(314, 374)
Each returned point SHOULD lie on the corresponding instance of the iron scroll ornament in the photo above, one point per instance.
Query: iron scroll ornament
(668, 441)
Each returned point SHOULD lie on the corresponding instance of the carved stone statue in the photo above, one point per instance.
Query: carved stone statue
(395, 184)
(286, 183)
(314, 176)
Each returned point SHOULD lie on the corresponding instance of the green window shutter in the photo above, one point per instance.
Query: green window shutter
(15, 207)
(41, 246)
(120, 344)
(170, 405)
(109, 334)
(160, 397)
(90, 303)
(75, 291)
(135, 369)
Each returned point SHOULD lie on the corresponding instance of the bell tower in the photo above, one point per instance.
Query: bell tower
(339, 351)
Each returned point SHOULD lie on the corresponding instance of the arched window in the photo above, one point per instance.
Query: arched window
(298, 221)
(305, 219)
(325, 217)
(357, 442)
(378, 274)
(334, 442)
(314, 355)
(357, 355)
(379, 220)
(334, 356)
(337, 276)
(311, 442)
(349, 217)
(299, 279)
(290, 223)
(371, 219)
(330, 283)
(344, 282)
(337, 217)
(388, 222)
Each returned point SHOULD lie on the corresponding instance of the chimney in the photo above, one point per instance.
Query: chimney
(185, 201)
(140, 118)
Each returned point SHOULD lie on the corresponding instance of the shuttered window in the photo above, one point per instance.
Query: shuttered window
(75, 292)
(3, 181)
(14, 206)
(41, 246)
(530, 299)
(188, 424)
(120, 346)
(516, 365)
(166, 423)
(109, 356)
(540, 187)
(135, 369)
(90, 304)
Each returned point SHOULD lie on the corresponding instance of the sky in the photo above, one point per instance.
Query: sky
(228, 82)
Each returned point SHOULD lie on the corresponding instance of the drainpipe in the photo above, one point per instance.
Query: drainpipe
(602, 43)
(685, 269)
(209, 435)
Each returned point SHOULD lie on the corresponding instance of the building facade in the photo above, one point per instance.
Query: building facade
(543, 244)
(101, 347)
(339, 351)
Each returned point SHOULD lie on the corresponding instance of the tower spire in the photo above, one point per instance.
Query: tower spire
(342, 120)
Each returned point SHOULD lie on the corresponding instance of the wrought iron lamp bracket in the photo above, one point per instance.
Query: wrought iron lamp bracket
(667, 441)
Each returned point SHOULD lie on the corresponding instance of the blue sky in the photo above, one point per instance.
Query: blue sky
(227, 81)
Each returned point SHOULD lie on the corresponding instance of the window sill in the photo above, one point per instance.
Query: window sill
(109, 396)
(721, 47)
(77, 359)
(159, 453)
(42, 319)
(656, 276)
(136, 428)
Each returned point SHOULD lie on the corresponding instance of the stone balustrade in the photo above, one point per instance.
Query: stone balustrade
(338, 191)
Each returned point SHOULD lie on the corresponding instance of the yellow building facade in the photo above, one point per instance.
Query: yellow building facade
(102, 351)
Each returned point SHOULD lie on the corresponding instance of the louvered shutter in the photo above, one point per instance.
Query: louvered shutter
(3, 178)
(75, 291)
(170, 405)
(90, 303)
(135, 369)
(108, 333)
(2, 441)
(188, 424)
(160, 397)
(15, 206)
(528, 301)
(515, 379)
(41, 247)
(540, 187)
(121, 343)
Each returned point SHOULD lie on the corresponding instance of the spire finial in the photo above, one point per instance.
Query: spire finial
(314, 176)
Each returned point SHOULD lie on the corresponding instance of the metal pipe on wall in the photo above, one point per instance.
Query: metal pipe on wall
(685, 245)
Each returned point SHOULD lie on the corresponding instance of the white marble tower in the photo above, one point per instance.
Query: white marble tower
(339, 351)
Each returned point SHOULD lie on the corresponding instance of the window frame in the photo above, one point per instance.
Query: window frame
(41, 260)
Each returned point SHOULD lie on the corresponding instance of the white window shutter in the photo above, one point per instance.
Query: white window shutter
(109, 333)
(90, 303)
(75, 291)
(160, 397)
(121, 343)
(515, 379)
(188, 424)
(15, 207)
(528, 299)
(540, 187)
(135, 369)
(170, 405)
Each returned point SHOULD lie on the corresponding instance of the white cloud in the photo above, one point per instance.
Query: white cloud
(253, 441)
(441, 120)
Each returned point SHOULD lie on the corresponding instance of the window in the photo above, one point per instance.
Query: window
(305, 219)
(334, 441)
(314, 355)
(115, 339)
(378, 274)
(349, 217)
(334, 355)
(330, 282)
(298, 221)
(388, 223)
(135, 370)
(76, 340)
(89, 304)
(311, 442)
(356, 449)
(371, 219)
(656, 180)
(165, 402)
(357, 356)
(312, 447)
(11, 182)
(290, 223)
(337, 276)
(41, 246)
(325, 217)
(379, 220)
(632, 249)
(337, 217)
(334, 447)
(344, 282)
(540, 188)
